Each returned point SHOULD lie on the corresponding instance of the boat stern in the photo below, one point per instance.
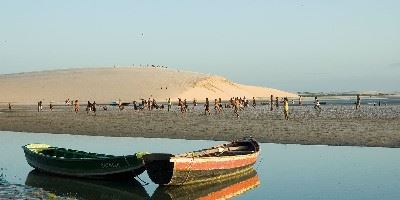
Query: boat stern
(159, 167)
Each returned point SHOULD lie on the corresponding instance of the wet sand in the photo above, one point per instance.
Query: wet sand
(334, 125)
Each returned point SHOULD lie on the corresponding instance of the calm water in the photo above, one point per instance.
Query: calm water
(284, 171)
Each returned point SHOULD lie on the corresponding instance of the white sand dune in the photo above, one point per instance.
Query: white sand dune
(125, 83)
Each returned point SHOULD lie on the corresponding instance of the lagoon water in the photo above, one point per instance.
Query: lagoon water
(284, 171)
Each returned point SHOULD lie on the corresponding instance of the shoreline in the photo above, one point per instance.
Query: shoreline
(335, 125)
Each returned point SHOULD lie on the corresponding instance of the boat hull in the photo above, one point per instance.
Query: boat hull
(117, 167)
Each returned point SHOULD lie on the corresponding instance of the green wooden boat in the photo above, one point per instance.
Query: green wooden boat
(69, 162)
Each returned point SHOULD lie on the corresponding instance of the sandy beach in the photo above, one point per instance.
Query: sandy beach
(334, 125)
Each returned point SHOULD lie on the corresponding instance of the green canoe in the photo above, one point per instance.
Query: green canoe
(76, 163)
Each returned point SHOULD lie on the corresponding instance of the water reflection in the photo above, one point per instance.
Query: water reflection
(221, 189)
(285, 171)
(86, 189)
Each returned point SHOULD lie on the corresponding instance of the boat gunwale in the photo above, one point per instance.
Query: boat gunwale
(94, 156)
(210, 158)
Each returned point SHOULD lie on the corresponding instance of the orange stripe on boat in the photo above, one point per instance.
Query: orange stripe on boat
(187, 164)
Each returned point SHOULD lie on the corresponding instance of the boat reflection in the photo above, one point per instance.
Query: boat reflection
(86, 189)
(221, 189)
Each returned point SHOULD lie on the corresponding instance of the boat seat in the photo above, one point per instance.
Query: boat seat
(229, 153)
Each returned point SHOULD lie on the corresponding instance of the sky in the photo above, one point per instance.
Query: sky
(294, 45)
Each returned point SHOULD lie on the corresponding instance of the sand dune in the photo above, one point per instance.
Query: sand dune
(125, 83)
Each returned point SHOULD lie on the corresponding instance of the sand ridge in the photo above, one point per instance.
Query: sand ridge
(126, 83)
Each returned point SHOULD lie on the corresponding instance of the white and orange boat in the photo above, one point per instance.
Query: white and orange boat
(205, 165)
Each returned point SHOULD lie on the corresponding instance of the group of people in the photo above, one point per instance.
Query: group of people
(91, 107)
(237, 103)
(147, 65)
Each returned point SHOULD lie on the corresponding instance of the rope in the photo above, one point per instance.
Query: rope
(144, 182)
(128, 164)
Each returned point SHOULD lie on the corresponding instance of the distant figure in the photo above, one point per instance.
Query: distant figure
(272, 102)
(237, 107)
(185, 105)
(315, 100)
(40, 106)
(300, 100)
(207, 107)
(67, 102)
(94, 107)
(194, 103)
(120, 105)
(277, 102)
(379, 103)
(180, 104)
(317, 105)
(9, 106)
(51, 106)
(169, 104)
(216, 106)
(149, 104)
(88, 107)
(254, 102)
(76, 106)
(135, 107)
(154, 104)
(358, 102)
(286, 108)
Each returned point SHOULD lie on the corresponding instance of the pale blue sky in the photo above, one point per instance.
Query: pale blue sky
(321, 45)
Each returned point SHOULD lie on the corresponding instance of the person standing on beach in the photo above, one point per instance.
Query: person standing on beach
(277, 102)
(94, 107)
(358, 102)
(286, 108)
(299, 99)
(272, 102)
(169, 104)
(88, 107)
(207, 107)
(236, 107)
(185, 105)
(149, 104)
(40, 106)
(120, 105)
(180, 104)
(216, 106)
(254, 102)
(51, 106)
(9, 106)
(194, 103)
(76, 106)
